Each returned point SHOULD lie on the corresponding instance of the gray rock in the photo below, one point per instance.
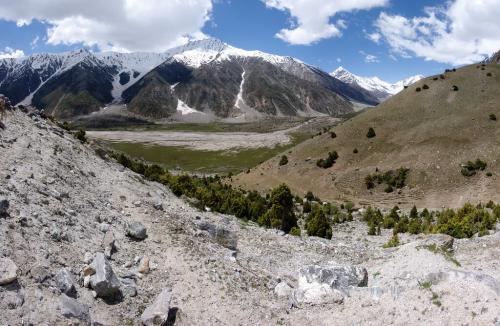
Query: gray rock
(442, 241)
(8, 271)
(157, 313)
(108, 244)
(4, 206)
(40, 273)
(221, 235)
(129, 286)
(137, 231)
(65, 282)
(104, 282)
(329, 283)
(73, 309)
(158, 206)
(282, 290)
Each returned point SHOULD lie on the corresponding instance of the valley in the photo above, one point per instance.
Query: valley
(214, 148)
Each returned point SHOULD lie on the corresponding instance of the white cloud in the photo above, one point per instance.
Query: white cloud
(375, 37)
(311, 18)
(462, 32)
(369, 58)
(11, 53)
(126, 25)
(34, 43)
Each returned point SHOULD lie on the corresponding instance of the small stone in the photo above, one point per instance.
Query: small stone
(4, 206)
(129, 287)
(157, 313)
(104, 227)
(40, 273)
(144, 266)
(8, 271)
(108, 244)
(65, 282)
(87, 259)
(88, 270)
(73, 309)
(136, 231)
(158, 206)
(86, 282)
(137, 203)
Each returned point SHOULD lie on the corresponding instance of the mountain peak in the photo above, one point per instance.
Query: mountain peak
(379, 88)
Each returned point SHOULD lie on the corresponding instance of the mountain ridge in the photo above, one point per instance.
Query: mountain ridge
(381, 89)
(54, 82)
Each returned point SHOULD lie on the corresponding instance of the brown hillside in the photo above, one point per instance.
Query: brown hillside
(431, 132)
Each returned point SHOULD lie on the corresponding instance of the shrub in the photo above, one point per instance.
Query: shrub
(281, 214)
(311, 197)
(81, 136)
(355, 151)
(425, 86)
(442, 76)
(389, 189)
(333, 134)
(371, 133)
(455, 88)
(393, 242)
(471, 168)
(329, 161)
(435, 78)
(283, 160)
(489, 174)
(493, 117)
(295, 231)
(318, 224)
(418, 89)
(394, 179)
(307, 207)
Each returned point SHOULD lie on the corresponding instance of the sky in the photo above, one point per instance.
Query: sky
(391, 39)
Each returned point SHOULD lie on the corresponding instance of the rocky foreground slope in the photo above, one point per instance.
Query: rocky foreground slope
(86, 242)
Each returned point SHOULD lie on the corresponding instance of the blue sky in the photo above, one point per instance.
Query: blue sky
(391, 39)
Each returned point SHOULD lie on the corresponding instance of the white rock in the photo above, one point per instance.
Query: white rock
(8, 271)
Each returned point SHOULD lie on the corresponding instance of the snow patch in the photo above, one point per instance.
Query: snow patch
(184, 109)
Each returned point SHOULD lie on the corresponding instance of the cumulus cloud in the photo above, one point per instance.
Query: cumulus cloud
(461, 32)
(11, 53)
(311, 18)
(124, 25)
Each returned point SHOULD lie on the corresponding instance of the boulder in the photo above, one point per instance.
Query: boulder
(8, 271)
(221, 235)
(104, 282)
(442, 241)
(74, 310)
(65, 282)
(283, 290)
(157, 312)
(329, 283)
(4, 206)
(136, 231)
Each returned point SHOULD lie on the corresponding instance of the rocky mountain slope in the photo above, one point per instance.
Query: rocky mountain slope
(87, 242)
(433, 128)
(205, 78)
(378, 88)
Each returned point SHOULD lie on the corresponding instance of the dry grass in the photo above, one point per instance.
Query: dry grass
(431, 132)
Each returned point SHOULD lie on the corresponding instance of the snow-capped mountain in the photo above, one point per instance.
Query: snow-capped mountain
(206, 76)
(382, 90)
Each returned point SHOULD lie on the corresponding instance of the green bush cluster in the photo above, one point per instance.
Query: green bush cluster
(371, 133)
(462, 223)
(493, 117)
(283, 160)
(273, 211)
(81, 136)
(471, 168)
(322, 217)
(329, 161)
(392, 179)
